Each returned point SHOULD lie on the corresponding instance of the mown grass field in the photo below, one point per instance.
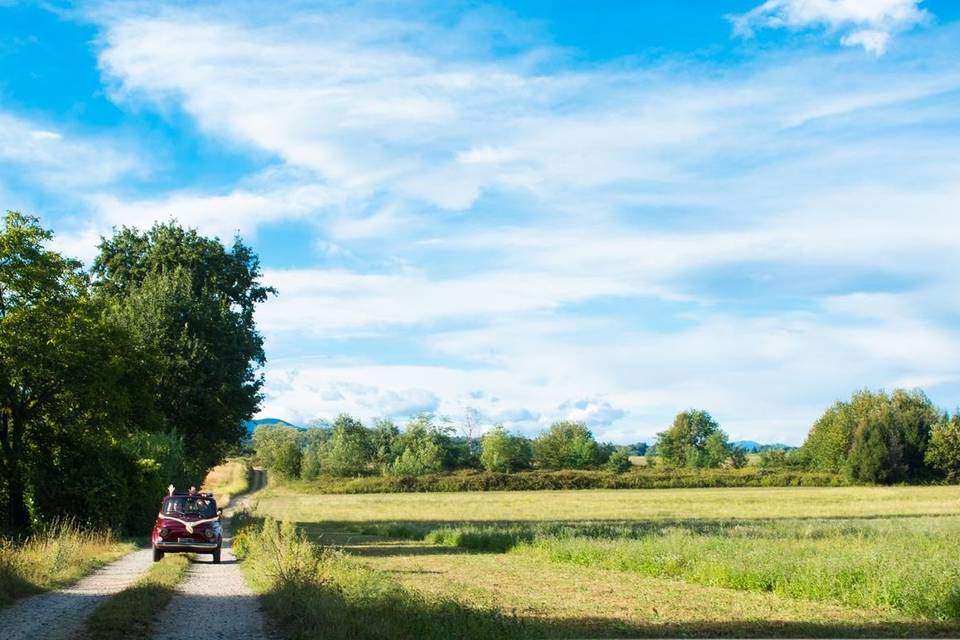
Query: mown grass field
(850, 561)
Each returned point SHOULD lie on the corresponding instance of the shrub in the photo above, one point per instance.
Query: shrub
(619, 461)
(500, 451)
(638, 478)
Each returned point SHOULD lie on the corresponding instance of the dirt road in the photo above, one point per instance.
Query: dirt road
(213, 600)
(61, 614)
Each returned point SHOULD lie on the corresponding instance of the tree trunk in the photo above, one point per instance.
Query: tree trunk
(17, 515)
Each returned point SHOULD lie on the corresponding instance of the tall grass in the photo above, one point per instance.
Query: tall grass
(54, 557)
(907, 565)
(315, 592)
(228, 480)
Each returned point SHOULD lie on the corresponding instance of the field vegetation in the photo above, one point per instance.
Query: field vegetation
(54, 557)
(853, 561)
(120, 379)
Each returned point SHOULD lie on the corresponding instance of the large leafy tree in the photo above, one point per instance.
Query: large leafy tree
(566, 445)
(686, 442)
(874, 436)
(190, 302)
(66, 375)
(501, 451)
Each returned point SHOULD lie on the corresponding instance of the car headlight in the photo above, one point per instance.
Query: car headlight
(164, 532)
(209, 533)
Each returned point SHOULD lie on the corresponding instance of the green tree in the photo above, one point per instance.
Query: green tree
(190, 303)
(500, 451)
(877, 453)
(385, 443)
(716, 449)
(277, 447)
(685, 442)
(66, 374)
(348, 451)
(423, 447)
(943, 451)
(619, 460)
(566, 445)
(872, 423)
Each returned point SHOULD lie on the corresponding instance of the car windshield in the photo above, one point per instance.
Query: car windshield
(191, 506)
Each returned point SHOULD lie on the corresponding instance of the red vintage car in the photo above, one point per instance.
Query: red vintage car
(188, 522)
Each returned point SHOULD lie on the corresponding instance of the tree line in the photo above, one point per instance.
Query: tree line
(122, 378)
(874, 437)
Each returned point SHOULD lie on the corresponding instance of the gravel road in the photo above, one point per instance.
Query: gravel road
(61, 614)
(213, 600)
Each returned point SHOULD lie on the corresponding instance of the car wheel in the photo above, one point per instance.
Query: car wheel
(157, 555)
(216, 556)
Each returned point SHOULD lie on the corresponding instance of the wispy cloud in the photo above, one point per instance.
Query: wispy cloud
(610, 242)
(866, 23)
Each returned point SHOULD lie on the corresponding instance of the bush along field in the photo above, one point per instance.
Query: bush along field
(847, 561)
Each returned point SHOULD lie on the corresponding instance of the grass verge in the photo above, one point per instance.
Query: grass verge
(132, 612)
(53, 558)
(313, 592)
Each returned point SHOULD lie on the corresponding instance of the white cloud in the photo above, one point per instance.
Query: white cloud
(868, 23)
(56, 160)
(608, 183)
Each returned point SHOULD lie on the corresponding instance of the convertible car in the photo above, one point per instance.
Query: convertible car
(188, 522)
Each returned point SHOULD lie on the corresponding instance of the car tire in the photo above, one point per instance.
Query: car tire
(216, 556)
(157, 555)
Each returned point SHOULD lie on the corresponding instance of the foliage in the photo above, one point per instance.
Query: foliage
(500, 451)
(875, 437)
(66, 372)
(277, 448)
(566, 445)
(694, 440)
(619, 460)
(423, 446)
(385, 442)
(348, 450)
(943, 451)
(877, 453)
(189, 303)
(536, 480)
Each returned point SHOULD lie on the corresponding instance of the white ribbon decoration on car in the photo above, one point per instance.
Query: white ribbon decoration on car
(188, 525)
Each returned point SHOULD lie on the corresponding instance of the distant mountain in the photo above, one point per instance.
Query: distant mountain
(756, 447)
(253, 424)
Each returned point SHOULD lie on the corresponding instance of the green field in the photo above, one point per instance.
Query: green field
(854, 561)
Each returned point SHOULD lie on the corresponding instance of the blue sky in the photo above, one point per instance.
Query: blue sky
(536, 210)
